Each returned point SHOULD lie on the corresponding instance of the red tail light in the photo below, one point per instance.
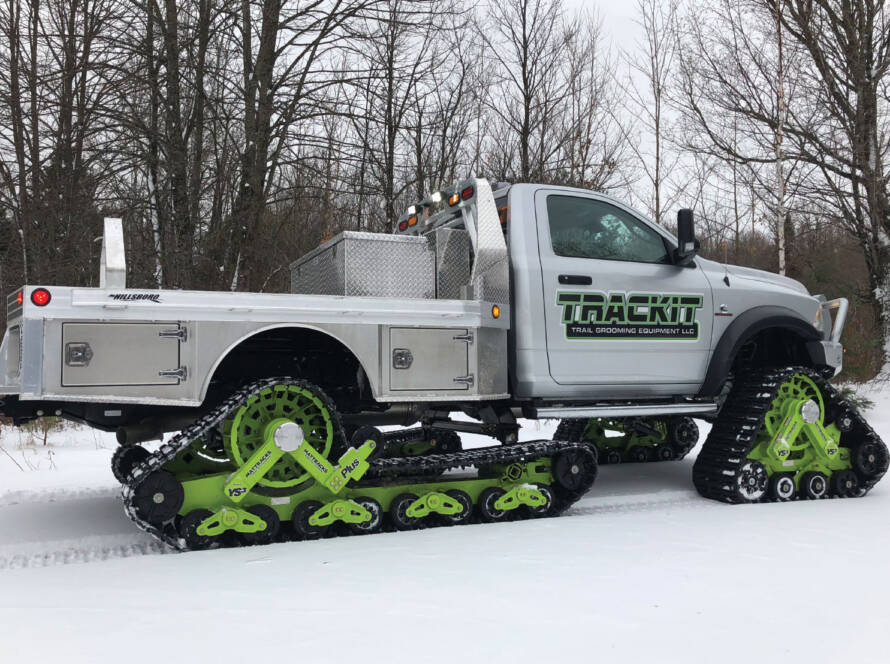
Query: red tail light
(40, 297)
(467, 193)
(403, 226)
(20, 297)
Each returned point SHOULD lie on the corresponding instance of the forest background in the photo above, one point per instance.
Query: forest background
(232, 136)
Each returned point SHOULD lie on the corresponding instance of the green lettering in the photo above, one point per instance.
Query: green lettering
(568, 302)
(615, 310)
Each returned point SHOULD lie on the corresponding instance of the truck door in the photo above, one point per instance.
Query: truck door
(617, 311)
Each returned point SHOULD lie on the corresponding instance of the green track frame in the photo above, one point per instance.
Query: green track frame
(795, 439)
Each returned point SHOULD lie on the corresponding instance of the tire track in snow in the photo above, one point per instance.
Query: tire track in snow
(592, 505)
(42, 496)
(84, 550)
(42, 528)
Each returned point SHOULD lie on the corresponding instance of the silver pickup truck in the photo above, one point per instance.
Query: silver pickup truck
(496, 300)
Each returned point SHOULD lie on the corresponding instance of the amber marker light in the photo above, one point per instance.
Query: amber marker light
(20, 297)
(496, 311)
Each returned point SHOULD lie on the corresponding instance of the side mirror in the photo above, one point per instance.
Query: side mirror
(687, 244)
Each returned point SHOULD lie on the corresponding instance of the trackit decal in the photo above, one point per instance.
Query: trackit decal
(630, 315)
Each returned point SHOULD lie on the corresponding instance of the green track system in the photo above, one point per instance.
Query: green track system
(633, 439)
(270, 464)
(787, 434)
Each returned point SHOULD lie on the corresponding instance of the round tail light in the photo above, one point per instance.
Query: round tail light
(40, 297)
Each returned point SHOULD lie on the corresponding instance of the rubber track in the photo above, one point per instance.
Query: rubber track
(401, 467)
(734, 434)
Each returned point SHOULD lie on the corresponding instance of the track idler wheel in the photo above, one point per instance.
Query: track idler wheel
(781, 487)
(572, 468)
(487, 511)
(300, 520)
(751, 482)
(188, 529)
(845, 483)
(125, 459)
(366, 433)
(870, 460)
(398, 512)
(683, 434)
(376, 522)
(270, 532)
(158, 497)
(464, 515)
(814, 485)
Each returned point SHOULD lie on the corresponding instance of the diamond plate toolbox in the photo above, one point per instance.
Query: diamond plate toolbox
(369, 265)
(453, 262)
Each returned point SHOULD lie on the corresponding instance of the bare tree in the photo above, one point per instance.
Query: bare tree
(835, 61)
(528, 41)
(651, 73)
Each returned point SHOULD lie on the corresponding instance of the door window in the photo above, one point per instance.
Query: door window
(588, 228)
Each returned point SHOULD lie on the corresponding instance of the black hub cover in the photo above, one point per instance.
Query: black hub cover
(572, 468)
(158, 498)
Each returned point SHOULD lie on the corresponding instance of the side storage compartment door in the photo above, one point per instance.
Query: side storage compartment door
(109, 354)
(429, 359)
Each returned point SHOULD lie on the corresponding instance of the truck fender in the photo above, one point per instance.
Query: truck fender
(278, 326)
(741, 330)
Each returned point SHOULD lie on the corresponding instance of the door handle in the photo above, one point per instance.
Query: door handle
(575, 280)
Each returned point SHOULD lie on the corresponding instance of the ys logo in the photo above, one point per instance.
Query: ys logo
(629, 315)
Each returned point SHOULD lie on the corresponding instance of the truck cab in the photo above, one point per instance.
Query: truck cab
(605, 308)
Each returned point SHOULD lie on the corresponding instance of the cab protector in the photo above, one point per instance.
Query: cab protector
(743, 329)
(630, 315)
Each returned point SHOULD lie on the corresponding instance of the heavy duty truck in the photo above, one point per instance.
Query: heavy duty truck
(500, 301)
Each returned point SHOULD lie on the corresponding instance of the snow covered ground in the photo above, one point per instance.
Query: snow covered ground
(640, 570)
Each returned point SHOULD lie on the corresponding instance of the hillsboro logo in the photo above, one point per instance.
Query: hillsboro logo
(629, 315)
(130, 297)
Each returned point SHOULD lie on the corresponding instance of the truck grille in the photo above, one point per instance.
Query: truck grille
(14, 303)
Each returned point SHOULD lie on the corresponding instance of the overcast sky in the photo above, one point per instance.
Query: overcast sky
(618, 18)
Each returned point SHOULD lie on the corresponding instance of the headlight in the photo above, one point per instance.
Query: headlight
(817, 319)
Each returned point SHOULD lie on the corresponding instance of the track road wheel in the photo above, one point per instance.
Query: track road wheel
(188, 528)
(125, 459)
(665, 453)
(544, 510)
(613, 457)
(158, 497)
(376, 522)
(398, 509)
(813, 485)
(845, 484)
(270, 532)
(300, 519)
(487, 511)
(638, 454)
(751, 482)
(463, 516)
(781, 487)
